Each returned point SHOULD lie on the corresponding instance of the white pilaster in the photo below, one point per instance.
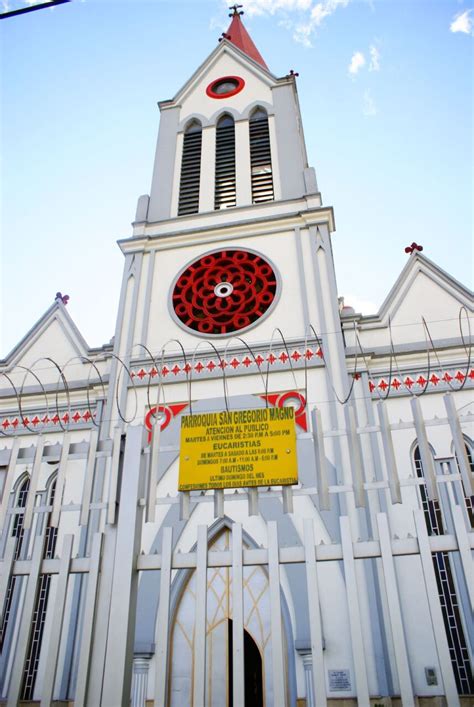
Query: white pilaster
(242, 163)
(307, 657)
(141, 665)
(208, 171)
(275, 162)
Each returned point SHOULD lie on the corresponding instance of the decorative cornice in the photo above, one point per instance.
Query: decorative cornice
(417, 383)
(300, 214)
(234, 364)
(41, 421)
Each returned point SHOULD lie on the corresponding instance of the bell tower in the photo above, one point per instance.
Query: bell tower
(236, 81)
(233, 239)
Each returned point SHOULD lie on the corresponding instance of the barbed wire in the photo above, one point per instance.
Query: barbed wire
(104, 354)
(311, 337)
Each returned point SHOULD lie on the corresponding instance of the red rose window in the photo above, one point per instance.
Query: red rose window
(224, 292)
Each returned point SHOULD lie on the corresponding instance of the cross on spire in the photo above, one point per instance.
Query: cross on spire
(236, 9)
(238, 35)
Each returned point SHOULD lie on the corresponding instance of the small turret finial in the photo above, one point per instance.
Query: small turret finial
(235, 10)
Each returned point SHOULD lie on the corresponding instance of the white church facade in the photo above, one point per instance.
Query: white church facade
(354, 585)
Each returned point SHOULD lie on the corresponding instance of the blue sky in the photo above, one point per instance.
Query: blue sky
(386, 95)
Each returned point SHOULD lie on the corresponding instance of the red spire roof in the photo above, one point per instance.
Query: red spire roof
(238, 35)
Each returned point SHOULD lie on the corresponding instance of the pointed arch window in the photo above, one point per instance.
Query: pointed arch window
(469, 500)
(225, 190)
(41, 607)
(190, 170)
(448, 598)
(260, 157)
(18, 532)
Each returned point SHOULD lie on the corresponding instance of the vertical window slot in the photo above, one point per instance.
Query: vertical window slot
(190, 170)
(260, 158)
(225, 190)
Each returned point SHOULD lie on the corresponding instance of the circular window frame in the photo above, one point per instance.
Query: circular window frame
(238, 332)
(211, 93)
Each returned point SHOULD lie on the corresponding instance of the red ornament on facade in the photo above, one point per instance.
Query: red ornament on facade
(291, 397)
(225, 87)
(414, 246)
(166, 412)
(64, 298)
(224, 292)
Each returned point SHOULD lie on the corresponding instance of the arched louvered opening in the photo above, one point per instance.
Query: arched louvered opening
(260, 157)
(190, 170)
(225, 194)
(451, 609)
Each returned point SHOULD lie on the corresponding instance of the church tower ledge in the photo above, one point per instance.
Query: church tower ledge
(302, 212)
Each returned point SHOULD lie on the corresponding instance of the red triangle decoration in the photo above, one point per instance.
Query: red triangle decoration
(279, 399)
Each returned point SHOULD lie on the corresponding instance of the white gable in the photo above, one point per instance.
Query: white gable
(54, 336)
(426, 297)
(423, 291)
(227, 61)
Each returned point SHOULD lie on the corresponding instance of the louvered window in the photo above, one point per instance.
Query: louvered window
(260, 158)
(190, 170)
(225, 163)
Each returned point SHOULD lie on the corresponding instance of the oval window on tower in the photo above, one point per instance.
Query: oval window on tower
(223, 292)
(225, 87)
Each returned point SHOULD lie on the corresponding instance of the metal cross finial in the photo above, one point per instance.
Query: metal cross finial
(235, 9)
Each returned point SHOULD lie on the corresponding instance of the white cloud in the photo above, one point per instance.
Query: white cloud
(271, 7)
(302, 35)
(357, 62)
(360, 304)
(307, 16)
(326, 8)
(369, 107)
(218, 23)
(374, 58)
(462, 22)
(286, 23)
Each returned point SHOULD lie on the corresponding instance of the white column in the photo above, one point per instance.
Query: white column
(242, 163)
(141, 665)
(208, 169)
(308, 677)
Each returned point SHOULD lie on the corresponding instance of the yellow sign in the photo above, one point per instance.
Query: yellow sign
(237, 449)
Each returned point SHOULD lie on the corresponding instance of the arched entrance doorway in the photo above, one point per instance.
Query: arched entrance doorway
(252, 670)
(219, 669)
